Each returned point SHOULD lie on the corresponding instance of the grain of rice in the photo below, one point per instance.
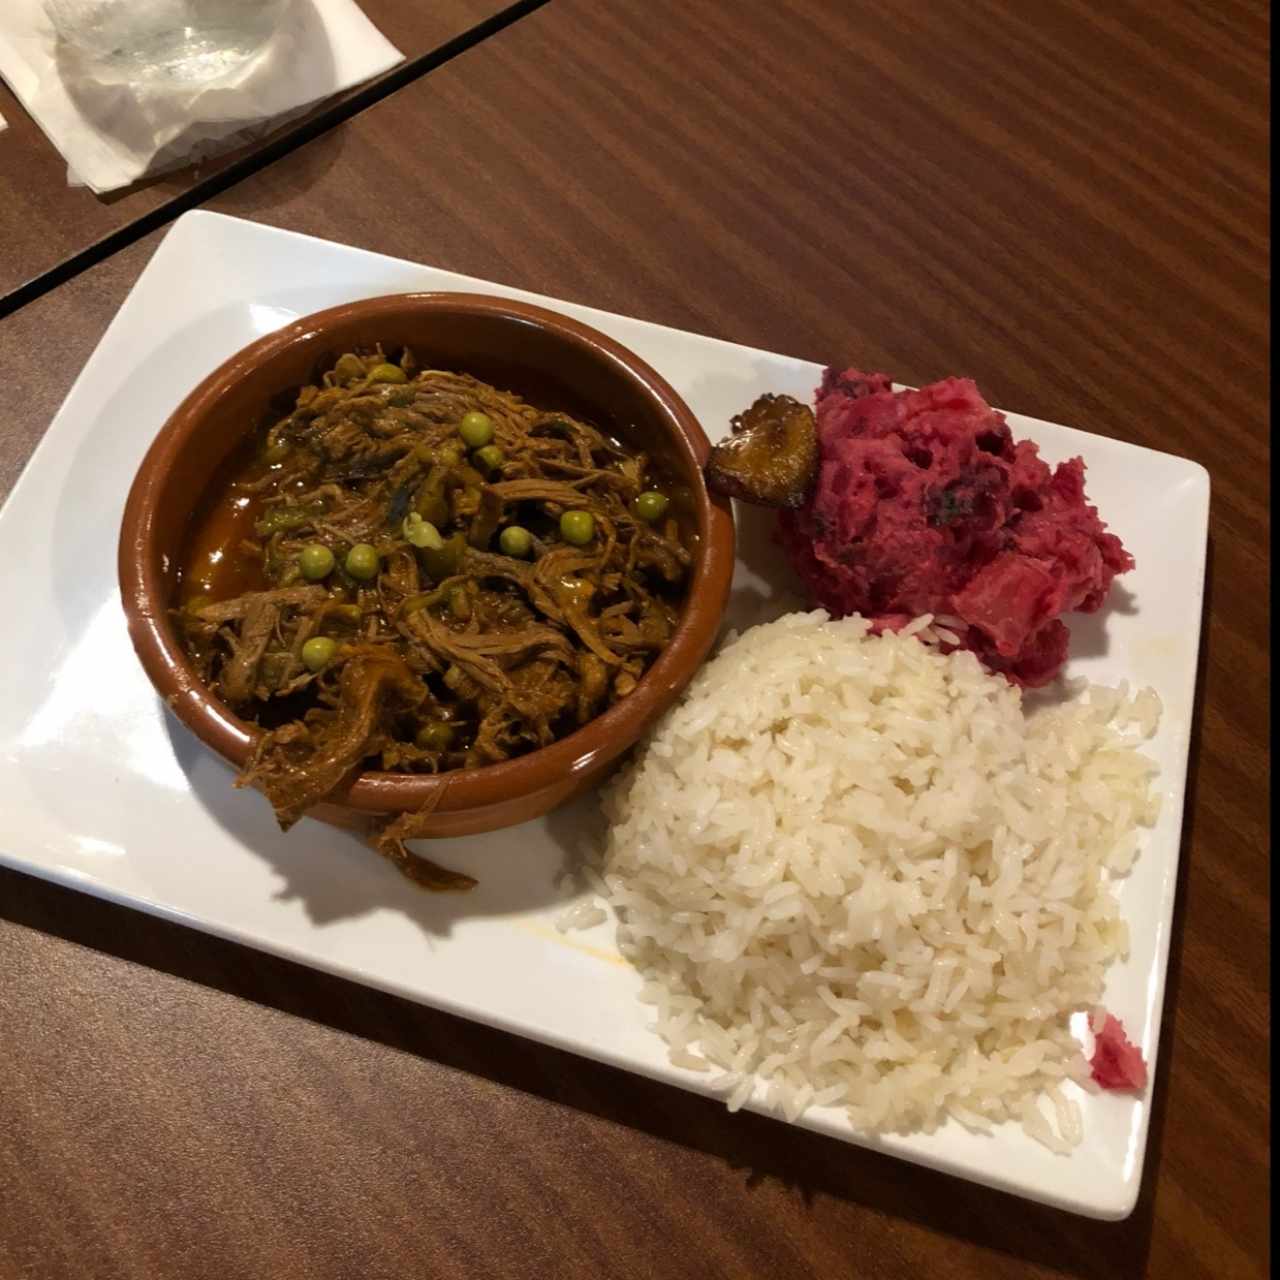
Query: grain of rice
(581, 915)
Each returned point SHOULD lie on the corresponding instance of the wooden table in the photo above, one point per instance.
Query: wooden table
(1070, 207)
(46, 225)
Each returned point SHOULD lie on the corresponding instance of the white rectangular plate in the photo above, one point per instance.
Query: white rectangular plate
(101, 790)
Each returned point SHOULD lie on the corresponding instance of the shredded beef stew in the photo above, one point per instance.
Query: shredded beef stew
(415, 572)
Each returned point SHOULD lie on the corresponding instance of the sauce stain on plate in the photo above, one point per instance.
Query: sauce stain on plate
(554, 935)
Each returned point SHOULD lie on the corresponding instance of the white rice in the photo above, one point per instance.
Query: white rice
(854, 872)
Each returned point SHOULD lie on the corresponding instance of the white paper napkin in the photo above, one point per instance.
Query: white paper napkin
(112, 135)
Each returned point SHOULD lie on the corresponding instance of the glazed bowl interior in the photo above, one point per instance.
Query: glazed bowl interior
(551, 361)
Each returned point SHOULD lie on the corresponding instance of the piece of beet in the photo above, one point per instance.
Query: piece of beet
(925, 503)
(1117, 1063)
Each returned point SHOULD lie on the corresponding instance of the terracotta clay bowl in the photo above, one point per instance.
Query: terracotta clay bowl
(545, 357)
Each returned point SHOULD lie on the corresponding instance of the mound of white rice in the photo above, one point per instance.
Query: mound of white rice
(853, 868)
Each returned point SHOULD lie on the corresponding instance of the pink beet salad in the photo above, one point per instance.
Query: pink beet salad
(925, 503)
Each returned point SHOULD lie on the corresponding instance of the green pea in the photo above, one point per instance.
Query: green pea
(651, 506)
(577, 527)
(387, 373)
(515, 541)
(316, 562)
(362, 562)
(435, 735)
(318, 652)
(476, 429)
(490, 458)
(421, 533)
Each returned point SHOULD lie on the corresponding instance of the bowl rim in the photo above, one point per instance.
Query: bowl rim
(141, 574)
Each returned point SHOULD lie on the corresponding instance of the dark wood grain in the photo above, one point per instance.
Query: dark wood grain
(44, 222)
(1066, 201)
